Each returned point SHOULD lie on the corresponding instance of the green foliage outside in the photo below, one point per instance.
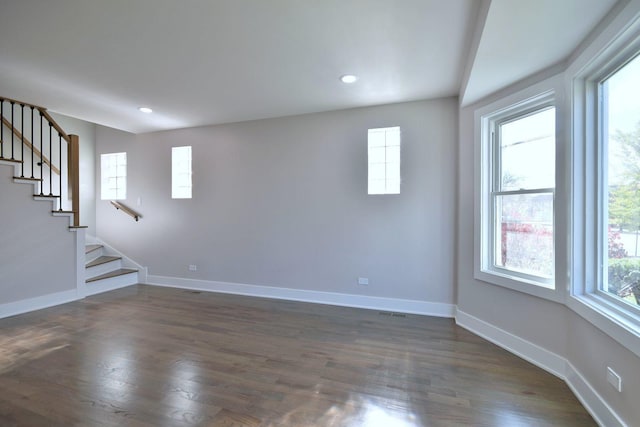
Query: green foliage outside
(624, 213)
(624, 199)
(624, 278)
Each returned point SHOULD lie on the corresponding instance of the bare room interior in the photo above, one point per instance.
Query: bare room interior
(289, 213)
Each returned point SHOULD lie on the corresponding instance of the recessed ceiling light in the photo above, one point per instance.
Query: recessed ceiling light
(348, 78)
(145, 110)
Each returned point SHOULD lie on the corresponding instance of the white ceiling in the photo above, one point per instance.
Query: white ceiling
(522, 37)
(201, 62)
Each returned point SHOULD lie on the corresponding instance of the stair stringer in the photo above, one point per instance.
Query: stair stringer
(126, 261)
(47, 290)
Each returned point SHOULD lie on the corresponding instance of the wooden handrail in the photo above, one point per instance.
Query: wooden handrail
(56, 126)
(44, 112)
(126, 209)
(29, 145)
(22, 103)
(73, 156)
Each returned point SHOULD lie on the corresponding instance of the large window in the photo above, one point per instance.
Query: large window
(181, 172)
(384, 160)
(517, 194)
(619, 96)
(113, 169)
(606, 189)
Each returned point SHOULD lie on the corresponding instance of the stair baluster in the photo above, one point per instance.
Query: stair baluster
(2, 128)
(22, 140)
(12, 130)
(41, 156)
(67, 193)
(60, 160)
(33, 144)
(50, 159)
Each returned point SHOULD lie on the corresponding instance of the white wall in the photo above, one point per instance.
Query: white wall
(283, 203)
(37, 250)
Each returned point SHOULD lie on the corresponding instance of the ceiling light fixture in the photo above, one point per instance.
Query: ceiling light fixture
(348, 78)
(146, 110)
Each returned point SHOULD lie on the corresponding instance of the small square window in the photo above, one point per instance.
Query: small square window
(113, 169)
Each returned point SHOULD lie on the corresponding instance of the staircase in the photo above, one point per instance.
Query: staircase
(104, 271)
(44, 156)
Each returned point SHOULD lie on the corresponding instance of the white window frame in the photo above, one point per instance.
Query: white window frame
(535, 97)
(181, 191)
(589, 241)
(120, 192)
(389, 178)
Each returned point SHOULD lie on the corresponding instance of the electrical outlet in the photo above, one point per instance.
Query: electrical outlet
(614, 379)
(363, 281)
(193, 267)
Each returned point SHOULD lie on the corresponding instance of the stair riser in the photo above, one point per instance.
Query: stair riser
(105, 285)
(103, 268)
(94, 254)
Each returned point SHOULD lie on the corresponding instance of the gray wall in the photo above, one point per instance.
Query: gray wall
(37, 250)
(283, 202)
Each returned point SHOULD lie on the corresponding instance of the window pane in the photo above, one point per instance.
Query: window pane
(113, 170)
(376, 138)
(181, 172)
(527, 150)
(393, 172)
(393, 137)
(393, 186)
(377, 186)
(377, 155)
(384, 160)
(393, 154)
(524, 233)
(622, 154)
(376, 171)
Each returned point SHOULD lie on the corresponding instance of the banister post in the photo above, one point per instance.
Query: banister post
(74, 176)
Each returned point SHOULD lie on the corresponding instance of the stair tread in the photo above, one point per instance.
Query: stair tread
(102, 260)
(25, 178)
(91, 248)
(114, 273)
(5, 159)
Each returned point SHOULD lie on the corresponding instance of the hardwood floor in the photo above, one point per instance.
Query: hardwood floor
(148, 356)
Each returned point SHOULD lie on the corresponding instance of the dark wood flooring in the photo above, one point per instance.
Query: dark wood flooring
(148, 356)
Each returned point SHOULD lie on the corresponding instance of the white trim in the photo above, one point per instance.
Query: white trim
(80, 262)
(112, 283)
(37, 303)
(126, 261)
(530, 352)
(531, 96)
(332, 298)
(617, 41)
(601, 412)
(551, 362)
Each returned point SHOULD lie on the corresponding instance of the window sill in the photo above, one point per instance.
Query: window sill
(606, 317)
(519, 284)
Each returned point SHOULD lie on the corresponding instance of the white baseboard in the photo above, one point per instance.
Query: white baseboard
(590, 399)
(37, 303)
(557, 365)
(530, 352)
(330, 298)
